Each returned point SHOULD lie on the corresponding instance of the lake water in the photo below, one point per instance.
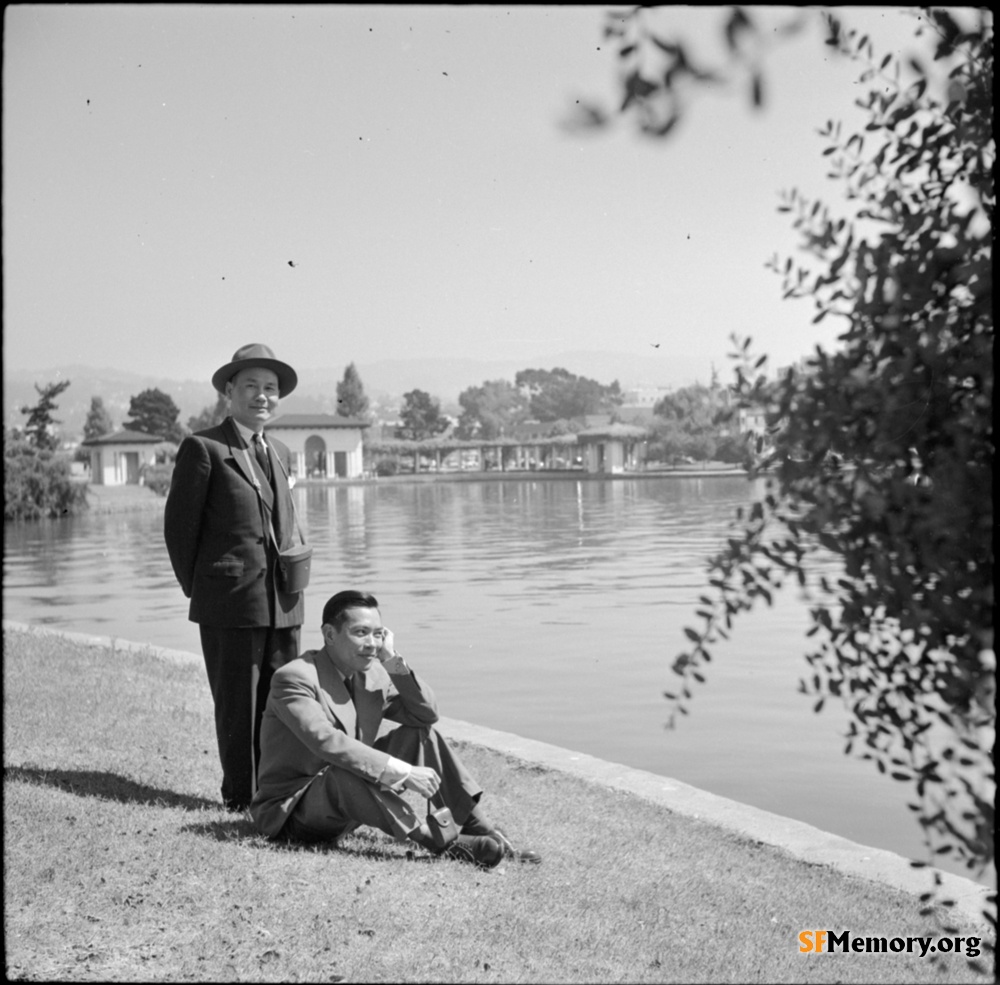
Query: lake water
(552, 608)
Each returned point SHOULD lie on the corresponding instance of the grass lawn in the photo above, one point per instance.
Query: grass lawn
(120, 865)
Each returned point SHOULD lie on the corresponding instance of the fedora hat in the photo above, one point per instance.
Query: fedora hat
(251, 355)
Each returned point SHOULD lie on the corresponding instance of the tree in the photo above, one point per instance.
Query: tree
(351, 398)
(40, 427)
(421, 417)
(558, 394)
(154, 412)
(670, 442)
(210, 415)
(98, 420)
(690, 422)
(490, 410)
(695, 422)
(882, 450)
(37, 481)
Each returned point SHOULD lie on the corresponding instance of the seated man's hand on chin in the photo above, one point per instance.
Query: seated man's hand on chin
(388, 656)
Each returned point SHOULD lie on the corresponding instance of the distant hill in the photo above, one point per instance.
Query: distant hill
(384, 381)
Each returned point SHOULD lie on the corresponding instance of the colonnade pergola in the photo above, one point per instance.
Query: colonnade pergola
(613, 448)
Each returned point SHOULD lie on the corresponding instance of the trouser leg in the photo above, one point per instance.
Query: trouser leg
(459, 791)
(338, 799)
(279, 646)
(240, 664)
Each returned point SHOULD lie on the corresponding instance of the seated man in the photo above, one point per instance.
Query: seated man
(324, 771)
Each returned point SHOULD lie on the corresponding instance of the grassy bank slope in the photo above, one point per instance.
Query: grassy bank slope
(123, 499)
(120, 865)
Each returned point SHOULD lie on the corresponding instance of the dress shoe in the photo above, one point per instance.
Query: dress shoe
(478, 849)
(521, 854)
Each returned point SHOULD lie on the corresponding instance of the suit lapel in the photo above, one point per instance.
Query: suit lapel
(242, 457)
(237, 450)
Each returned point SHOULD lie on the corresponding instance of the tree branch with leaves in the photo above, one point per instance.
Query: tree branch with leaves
(878, 452)
(40, 428)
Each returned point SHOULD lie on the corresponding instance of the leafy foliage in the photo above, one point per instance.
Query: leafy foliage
(154, 412)
(421, 417)
(489, 411)
(210, 416)
(881, 451)
(40, 427)
(98, 420)
(37, 482)
(387, 465)
(351, 398)
(557, 394)
(157, 477)
(692, 422)
(660, 74)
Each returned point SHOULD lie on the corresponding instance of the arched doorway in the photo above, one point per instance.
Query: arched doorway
(315, 457)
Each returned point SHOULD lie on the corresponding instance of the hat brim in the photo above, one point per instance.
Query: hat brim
(288, 379)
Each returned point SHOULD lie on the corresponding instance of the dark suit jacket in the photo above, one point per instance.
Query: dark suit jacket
(217, 535)
(310, 723)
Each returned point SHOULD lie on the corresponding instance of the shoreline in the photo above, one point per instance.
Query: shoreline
(129, 498)
(798, 839)
(577, 475)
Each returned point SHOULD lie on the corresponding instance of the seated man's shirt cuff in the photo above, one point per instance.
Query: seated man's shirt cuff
(395, 773)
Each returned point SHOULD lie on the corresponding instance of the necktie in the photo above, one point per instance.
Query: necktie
(349, 684)
(277, 509)
(261, 452)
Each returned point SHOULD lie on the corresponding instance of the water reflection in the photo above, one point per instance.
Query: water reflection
(552, 608)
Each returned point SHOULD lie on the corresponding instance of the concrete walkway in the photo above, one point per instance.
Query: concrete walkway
(800, 840)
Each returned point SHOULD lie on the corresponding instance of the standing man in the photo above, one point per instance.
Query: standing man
(228, 511)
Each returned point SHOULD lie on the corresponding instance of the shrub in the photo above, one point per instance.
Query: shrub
(733, 449)
(387, 466)
(37, 483)
(157, 477)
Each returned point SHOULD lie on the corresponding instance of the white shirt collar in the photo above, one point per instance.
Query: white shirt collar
(247, 433)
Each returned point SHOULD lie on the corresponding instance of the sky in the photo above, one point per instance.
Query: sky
(356, 183)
